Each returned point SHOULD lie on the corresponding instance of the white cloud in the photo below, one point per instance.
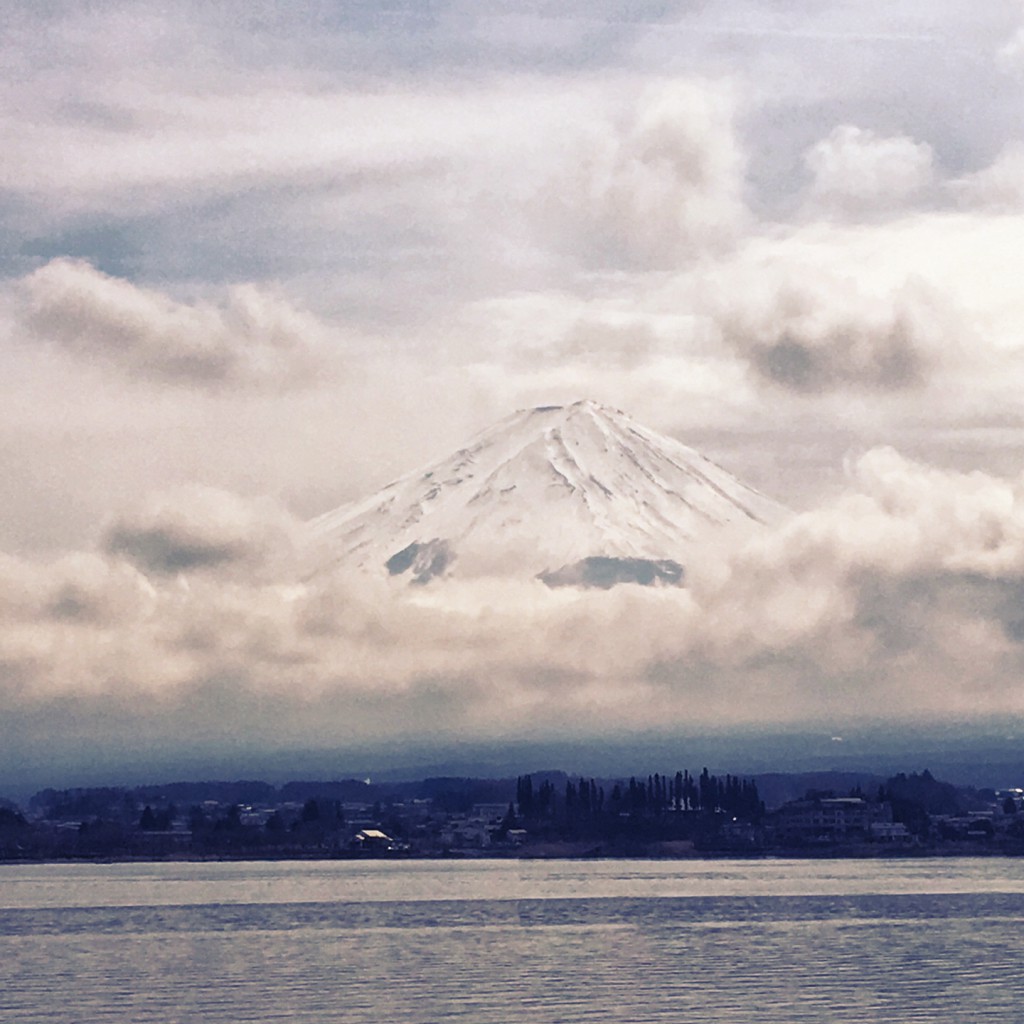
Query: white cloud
(255, 339)
(1010, 55)
(903, 593)
(660, 187)
(857, 172)
(998, 187)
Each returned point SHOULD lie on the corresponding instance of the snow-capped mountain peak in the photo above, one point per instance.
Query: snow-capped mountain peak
(575, 494)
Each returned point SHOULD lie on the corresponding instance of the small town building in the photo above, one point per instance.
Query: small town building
(829, 820)
(373, 840)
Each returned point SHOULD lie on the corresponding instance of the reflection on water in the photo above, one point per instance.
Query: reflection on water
(504, 941)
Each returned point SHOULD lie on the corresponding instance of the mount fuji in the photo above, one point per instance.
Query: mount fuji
(574, 495)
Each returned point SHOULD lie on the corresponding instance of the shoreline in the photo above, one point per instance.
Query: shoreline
(543, 854)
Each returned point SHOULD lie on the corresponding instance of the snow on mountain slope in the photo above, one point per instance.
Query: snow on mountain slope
(575, 495)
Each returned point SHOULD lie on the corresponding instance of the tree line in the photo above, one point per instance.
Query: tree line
(656, 796)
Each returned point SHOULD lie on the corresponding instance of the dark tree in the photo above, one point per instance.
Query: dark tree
(524, 795)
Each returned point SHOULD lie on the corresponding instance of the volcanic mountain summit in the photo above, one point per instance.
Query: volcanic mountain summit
(575, 495)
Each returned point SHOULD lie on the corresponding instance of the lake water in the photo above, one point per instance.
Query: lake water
(492, 942)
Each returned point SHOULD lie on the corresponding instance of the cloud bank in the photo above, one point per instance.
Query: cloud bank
(900, 599)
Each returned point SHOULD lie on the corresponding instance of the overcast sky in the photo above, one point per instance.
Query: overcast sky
(260, 258)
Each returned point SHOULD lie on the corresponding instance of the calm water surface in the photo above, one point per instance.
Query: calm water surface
(494, 942)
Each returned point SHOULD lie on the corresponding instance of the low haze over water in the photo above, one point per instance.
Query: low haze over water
(499, 941)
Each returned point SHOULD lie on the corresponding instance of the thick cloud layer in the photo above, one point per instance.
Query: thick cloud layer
(900, 599)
